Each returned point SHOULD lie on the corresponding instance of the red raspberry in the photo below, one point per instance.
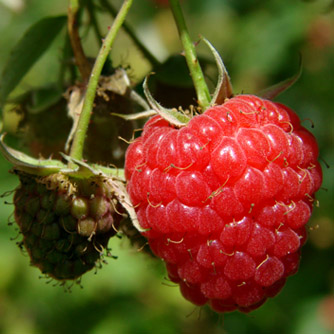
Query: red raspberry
(226, 198)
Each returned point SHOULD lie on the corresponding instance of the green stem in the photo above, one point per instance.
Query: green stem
(202, 90)
(147, 54)
(80, 135)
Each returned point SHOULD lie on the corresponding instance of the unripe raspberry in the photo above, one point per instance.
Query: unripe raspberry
(66, 222)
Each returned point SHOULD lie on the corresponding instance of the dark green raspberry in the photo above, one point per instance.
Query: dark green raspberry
(66, 222)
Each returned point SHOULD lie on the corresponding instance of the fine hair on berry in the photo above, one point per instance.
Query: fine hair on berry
(224, 200)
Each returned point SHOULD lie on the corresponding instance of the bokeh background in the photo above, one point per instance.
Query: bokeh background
(261, 43)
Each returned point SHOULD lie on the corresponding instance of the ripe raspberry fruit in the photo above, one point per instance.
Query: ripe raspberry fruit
(225, 199)
(66, 222)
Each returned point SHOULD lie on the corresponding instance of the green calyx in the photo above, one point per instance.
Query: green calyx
(44, 167)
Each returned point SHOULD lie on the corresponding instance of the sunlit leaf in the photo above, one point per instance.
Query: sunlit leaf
(26, 52)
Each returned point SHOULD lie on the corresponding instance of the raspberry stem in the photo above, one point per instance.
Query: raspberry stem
(202, 91)
(73, 32)
(146, 52)
(79, 137)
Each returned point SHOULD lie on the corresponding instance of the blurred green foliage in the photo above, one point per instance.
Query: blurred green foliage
(261, 43)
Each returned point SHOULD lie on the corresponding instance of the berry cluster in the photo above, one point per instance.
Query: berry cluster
(66, 223)
(224, 200)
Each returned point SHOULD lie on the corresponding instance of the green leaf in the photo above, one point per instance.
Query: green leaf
(26, 52)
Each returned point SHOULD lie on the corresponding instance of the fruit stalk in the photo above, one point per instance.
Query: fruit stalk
(148, 55)
(81, 60)
(202, 91)
(79, 137)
